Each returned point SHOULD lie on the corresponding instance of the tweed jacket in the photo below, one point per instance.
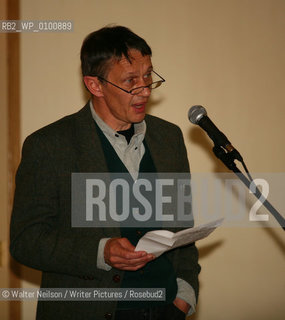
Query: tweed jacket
(41, 233)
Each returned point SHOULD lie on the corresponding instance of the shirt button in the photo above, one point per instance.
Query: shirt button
(139, 233)
(116, 278)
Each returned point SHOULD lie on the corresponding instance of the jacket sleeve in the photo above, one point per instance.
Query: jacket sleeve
(41, 233)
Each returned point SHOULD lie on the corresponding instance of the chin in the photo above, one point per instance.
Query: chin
(138, 118)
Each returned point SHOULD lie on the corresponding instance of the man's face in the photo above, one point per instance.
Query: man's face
(118, 108)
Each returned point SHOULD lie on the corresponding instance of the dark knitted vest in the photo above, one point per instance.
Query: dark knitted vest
(158, 273)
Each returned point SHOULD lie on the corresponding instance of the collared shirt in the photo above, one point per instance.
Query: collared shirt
(129, 153)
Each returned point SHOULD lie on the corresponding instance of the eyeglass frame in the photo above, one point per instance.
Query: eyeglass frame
(142, 87)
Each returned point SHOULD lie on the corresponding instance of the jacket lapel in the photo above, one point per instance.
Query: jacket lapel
(159, 150)
(90, 153)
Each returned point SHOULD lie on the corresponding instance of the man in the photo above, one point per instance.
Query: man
(112, 133)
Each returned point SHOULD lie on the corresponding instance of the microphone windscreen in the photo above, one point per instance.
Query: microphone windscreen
(195, 113)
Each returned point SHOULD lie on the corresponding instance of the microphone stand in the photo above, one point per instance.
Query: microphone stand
(228, 159)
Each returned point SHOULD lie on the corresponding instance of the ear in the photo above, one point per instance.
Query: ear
(93, 85)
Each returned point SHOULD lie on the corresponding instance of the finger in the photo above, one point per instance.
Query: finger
(119, 252)
(122, 247)
(125, 243)
(126, 254)
(131, 262)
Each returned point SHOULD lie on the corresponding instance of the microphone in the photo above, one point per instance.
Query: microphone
(198, 115)
(224, 150)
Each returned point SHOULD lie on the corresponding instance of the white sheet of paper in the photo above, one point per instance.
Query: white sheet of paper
(159, 241)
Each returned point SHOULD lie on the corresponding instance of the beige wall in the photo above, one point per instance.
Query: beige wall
(227, 55)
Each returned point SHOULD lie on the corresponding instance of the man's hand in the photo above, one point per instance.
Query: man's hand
(120, 253)
(182, 305)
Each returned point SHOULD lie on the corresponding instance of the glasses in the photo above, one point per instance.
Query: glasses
(138, 90)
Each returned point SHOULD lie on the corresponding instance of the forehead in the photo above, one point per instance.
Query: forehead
(137, 63)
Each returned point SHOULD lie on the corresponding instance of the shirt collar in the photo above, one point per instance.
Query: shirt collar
(139, 128)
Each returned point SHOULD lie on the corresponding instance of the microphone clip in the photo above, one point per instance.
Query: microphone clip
(226, 157)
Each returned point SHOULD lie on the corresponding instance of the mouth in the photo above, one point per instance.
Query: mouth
(139, 107)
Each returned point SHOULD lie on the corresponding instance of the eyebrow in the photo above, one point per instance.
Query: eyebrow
(131, 73)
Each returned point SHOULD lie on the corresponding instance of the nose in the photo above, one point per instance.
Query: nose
(145, 92)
